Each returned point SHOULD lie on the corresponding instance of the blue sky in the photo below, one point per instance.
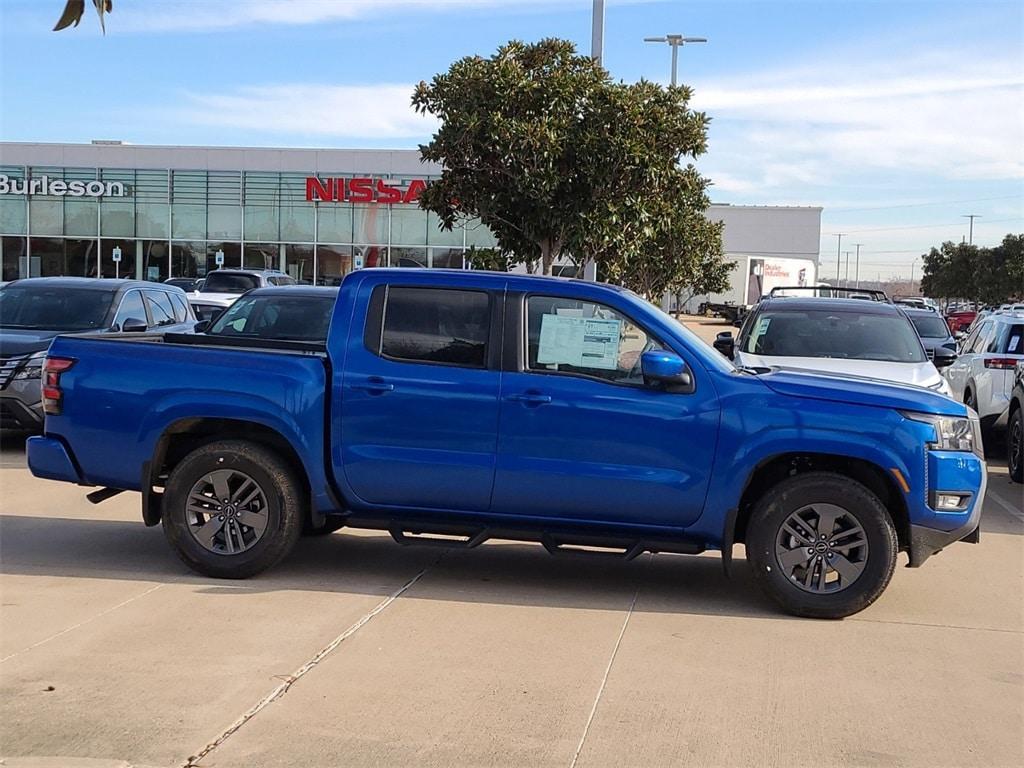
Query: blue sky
(896, 117)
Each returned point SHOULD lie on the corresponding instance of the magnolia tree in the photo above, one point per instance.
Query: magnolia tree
(559, 161)
(74, 9)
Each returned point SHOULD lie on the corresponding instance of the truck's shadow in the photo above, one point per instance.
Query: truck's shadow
(501, 573)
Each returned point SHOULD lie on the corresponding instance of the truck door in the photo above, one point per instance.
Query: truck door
(582, 438)
(419, 396)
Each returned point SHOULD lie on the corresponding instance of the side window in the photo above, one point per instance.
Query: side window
(160, 308)
(180, 307)
(1014, 341)
(584, 338)
(434, 325)
(131, 308)
(981, 339)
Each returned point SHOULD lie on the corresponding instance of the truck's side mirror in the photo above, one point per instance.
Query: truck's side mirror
(726, 344)
(133, 325)
(202, 326)
(666, 369)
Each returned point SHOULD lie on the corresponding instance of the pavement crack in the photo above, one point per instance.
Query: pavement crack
(83, 623)
(604, 679)
(290, 680)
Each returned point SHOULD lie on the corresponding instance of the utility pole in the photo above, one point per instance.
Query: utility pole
(846, 278)
(597, 32)
(913, 264)
(676, 41)
(972, 217)
(857, 268)
(839, 245)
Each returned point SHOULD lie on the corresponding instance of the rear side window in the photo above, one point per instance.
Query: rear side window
(160, 308)
(180, 307)
(1008, 340)
(434, 325)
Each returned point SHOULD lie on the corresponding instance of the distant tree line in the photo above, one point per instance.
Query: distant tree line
(985, 275)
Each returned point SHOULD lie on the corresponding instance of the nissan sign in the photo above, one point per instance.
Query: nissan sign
(361, 190)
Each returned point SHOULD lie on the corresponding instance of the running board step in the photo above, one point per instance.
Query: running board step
(563, 544)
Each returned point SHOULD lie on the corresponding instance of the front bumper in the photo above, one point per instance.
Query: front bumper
(949, 472)
(18, 412)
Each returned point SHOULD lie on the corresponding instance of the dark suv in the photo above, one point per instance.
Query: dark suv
(35, 310)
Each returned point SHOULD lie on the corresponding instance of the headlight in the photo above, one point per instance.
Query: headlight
(952, 433)
(31, 368)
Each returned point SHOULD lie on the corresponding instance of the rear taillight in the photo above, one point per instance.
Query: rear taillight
(1001, 363)
(52, 394)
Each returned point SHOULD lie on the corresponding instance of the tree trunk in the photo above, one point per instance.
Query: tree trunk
(546, 257)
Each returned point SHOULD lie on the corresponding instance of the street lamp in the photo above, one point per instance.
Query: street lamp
(675, 41)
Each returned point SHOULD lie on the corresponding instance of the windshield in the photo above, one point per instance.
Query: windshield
(835, 334)
(295, 318)
(230, 282)
(48, 308)
(930, 327)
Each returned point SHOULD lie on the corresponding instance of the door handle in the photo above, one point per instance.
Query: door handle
(530, 398)
(374, 385)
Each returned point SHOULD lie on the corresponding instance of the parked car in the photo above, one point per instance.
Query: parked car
(849, 337)
(1015, 421)
(477, 405)
(982, 375)
(35, 310)
(939, 344)
(208, 306)
(299, 313)
(235, 282)
(222, 287)
(186, 283)
(960, 320)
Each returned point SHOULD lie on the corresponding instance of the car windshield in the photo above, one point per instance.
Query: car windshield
(230, 282)
(836, 334)
(49, 308)
(930, 326)
(294, 318)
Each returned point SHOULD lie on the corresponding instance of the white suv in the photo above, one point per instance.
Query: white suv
(983, 374)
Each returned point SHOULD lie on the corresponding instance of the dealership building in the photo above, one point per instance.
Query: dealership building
(152, 212)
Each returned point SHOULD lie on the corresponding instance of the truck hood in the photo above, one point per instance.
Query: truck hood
(844, 388)
(14, 342)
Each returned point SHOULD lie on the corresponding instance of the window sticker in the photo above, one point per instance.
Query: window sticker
(1014, 342)
(580, 342)
(762, 325)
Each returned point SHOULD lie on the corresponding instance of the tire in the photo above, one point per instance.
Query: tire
(1015, 446)
(259, 531)
(863, 536)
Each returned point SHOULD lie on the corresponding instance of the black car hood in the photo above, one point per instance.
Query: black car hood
(15, 342)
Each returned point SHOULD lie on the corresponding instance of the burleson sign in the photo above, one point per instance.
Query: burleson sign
(361, 190)
(44, 185)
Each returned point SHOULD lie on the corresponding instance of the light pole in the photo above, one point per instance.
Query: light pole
(857, 268)
(675, 41)
(597, 32)
(846, 277)
(972, 217)
(839, 245)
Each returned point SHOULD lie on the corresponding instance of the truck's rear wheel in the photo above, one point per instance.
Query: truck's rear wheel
(821, 545)
(232, 509)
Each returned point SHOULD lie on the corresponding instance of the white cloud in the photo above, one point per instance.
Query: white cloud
(959, 117)
(183, 15)
(379, 111)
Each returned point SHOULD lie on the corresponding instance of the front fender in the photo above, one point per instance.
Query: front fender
(757, 429)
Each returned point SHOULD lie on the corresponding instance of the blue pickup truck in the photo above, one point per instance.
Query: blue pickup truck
(453, 407)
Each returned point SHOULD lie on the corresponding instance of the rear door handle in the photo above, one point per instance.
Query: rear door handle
(374, 385)
(530, 398)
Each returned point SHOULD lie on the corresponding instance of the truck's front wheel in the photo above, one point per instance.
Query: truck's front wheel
(232, 509)
(821, 545)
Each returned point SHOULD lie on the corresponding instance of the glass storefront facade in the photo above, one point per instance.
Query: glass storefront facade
(173, 223)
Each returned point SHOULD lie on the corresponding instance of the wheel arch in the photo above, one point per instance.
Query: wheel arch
(773, 470)
(185, 435)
